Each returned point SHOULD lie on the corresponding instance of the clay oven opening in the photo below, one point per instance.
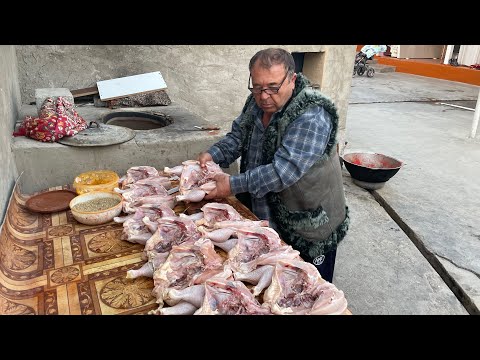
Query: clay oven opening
(138, 120)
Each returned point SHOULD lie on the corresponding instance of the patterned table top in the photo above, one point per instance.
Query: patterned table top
(51, 264)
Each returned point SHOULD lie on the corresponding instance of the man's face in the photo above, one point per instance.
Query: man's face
(263, 79)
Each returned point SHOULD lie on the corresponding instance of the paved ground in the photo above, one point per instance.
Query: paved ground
(419, 251)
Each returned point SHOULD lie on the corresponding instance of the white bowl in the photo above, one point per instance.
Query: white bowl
(96, 217)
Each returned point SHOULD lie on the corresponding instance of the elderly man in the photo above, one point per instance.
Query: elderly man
(290, 171)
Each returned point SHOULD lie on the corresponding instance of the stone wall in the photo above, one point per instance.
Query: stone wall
(210, 80)
(9, 108)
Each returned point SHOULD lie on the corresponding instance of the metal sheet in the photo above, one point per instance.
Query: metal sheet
(103, 135)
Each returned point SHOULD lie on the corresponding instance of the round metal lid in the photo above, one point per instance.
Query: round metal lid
(101, 135)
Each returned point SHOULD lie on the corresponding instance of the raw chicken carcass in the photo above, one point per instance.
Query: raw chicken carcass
(255, 254)
(182, 308)
(136, 173)
(195, 182)
(155, 181)
(172, 230)
(187, 265)
(194, 294)
(214, 212)
(130, 207)
(194, 176)
(152, 211)
(151, 186)
(196, 194)
(135, 230)
(261, 277)
(173, 171)
(139, 226)
(226, 245)
(259, 270)
(252, 243)
(147, 269)
(225, 297)
(226, 229)
(195, 217)
(298, 289)
(255, 249)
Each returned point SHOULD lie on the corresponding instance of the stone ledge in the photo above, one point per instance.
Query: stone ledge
(53, 164)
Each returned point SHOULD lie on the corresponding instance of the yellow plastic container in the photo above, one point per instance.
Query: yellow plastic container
(98, 180)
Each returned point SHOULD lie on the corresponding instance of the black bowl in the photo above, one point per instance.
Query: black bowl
(371, 167)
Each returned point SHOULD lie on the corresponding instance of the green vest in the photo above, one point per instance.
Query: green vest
(311, 215)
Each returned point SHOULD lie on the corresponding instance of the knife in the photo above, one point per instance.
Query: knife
(203, 128)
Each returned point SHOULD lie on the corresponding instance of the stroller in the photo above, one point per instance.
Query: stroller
(366, 53)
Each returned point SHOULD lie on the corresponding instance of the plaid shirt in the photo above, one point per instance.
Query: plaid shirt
(303, 144)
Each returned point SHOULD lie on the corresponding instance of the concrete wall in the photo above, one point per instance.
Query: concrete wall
(332, 70)
(419, 51)
(166, 146)
(210, 80)
(9, 107)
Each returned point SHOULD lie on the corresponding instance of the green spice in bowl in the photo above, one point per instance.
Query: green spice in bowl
(96, 207)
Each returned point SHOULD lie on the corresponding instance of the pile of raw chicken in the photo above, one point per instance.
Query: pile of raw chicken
(214, 261)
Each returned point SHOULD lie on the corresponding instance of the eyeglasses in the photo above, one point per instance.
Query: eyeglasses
(270, 90)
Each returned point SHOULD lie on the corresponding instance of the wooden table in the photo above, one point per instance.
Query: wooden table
(51, 264)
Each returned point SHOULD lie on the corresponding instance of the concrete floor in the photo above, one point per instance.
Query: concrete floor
(427, 261)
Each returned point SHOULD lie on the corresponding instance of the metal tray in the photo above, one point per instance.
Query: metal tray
(100, 135)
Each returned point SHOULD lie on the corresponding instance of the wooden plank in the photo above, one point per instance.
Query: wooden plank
(84, 92)
(62, 300)
(130, 85)
(73, 300)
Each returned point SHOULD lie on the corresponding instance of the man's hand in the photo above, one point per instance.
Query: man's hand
(222, 190)
(203, 158)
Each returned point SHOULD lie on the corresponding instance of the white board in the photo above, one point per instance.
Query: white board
(130, 85)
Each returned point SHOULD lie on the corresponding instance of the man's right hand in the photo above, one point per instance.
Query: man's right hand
(203, 158)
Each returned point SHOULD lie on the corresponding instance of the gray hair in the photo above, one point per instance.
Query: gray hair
(273, 56)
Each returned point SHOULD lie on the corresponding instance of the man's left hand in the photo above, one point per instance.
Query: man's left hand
(222, 190)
